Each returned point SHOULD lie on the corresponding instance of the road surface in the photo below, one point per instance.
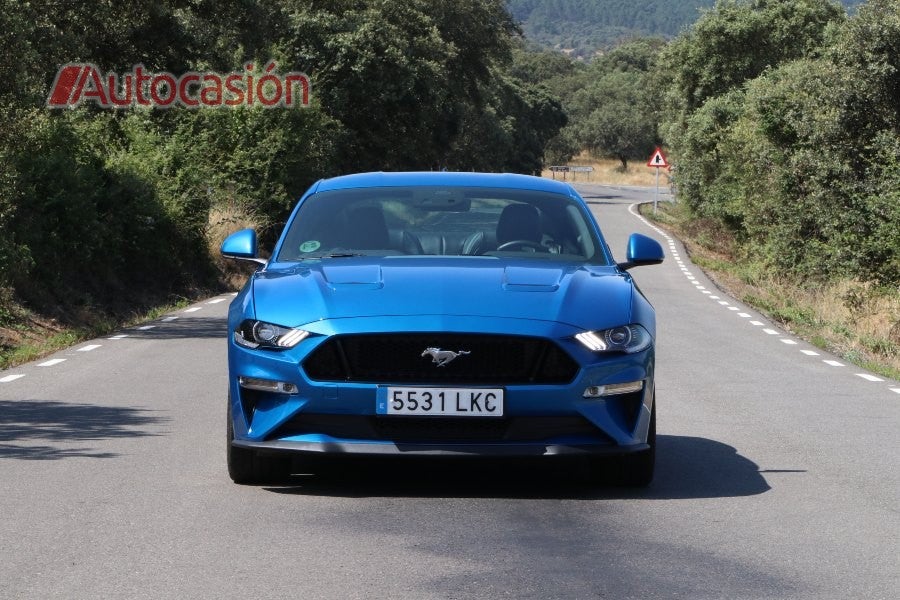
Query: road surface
(777, 478)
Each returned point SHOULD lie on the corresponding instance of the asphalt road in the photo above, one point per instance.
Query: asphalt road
(777, 478)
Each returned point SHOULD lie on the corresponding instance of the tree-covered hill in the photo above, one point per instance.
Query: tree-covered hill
(584, 27)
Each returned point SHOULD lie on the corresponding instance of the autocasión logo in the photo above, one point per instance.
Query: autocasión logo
(82, 83)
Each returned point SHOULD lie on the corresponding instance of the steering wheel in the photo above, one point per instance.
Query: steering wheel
(522, 244)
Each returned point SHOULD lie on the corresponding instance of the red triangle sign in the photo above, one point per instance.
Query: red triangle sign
(658, 159)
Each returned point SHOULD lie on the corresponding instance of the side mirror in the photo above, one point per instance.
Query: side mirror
(241, 245)
(642, 250)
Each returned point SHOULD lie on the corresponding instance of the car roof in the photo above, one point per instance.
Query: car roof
(446, 178)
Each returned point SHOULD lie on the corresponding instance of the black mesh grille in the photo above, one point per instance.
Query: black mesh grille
(398, 358)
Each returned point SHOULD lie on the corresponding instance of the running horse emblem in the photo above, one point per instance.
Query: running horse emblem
(442, 357)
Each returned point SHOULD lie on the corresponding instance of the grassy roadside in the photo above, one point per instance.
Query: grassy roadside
(27, 335)
(857, 321)
(609, 171)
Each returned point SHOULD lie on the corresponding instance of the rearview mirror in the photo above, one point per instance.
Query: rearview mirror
(641, 251)
(241, 245)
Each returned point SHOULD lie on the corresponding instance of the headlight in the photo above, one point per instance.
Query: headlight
(259, 334)
(627, 338)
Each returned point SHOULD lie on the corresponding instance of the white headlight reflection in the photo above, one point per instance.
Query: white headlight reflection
(626, 338)
(259, 334)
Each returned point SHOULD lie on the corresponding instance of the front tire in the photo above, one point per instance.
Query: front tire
(247, 467)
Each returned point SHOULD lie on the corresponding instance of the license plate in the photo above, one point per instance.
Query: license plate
(440, 402)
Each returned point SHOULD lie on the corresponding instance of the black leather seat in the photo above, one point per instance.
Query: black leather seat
(519, 222)
(366, 229)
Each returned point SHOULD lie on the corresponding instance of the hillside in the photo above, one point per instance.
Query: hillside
(583, 27)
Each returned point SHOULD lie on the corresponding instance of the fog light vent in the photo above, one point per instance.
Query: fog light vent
(613, 389)
(267, 385)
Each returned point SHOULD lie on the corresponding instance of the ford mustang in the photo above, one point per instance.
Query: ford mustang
(441, 314)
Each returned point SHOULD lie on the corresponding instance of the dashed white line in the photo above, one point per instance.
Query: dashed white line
(697, 284)
(868, 377)
(118, 337)
(89, 347)
(168, 319)
(10, 378)
(51, 362)
(216, 301)
(146, 327)
(194, 309)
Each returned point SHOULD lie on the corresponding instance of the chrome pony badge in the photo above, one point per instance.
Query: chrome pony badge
(442, 357)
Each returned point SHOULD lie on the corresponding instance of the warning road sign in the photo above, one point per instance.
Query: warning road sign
(658, 159)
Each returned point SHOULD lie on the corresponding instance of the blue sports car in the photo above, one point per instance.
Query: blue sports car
(441, 314)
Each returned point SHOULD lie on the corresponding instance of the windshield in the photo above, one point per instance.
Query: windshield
(435, 220)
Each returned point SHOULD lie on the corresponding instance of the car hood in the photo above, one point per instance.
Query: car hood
(587, 297)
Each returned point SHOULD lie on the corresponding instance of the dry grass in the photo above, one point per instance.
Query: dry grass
(855, 320)
(609, 171)
(223, 221)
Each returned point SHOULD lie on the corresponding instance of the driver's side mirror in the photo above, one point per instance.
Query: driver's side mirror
(641, 251)
(241, 245)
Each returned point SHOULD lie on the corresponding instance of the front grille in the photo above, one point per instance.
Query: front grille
(398, 358)
(438, 429)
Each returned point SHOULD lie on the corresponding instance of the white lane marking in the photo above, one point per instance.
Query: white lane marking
(733, 308)
(216, 301)
(51, 362)
(674, 253)
(9, 378)
(89, 347)
(168, 319)
(234, 293)
(724, 302)
(118, 337)
(195, 309)
(146, 327)
(868, 377)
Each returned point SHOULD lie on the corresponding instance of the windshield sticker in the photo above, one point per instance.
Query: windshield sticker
(310, 246)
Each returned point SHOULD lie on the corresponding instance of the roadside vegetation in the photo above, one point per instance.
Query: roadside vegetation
(782, 118)
(105, 214)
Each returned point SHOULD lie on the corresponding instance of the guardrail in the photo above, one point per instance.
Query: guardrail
(570, 169)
